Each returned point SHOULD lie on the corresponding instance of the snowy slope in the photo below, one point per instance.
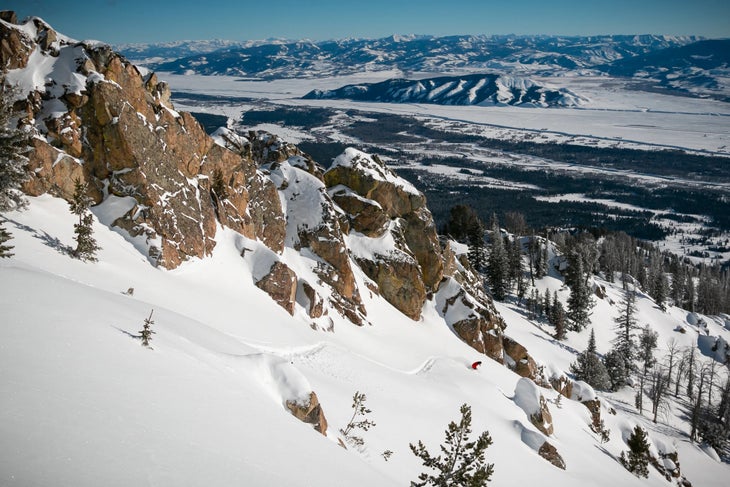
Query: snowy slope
(82, 403)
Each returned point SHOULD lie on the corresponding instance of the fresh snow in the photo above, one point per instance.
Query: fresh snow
(82, 403)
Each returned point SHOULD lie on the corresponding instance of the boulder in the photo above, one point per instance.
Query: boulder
(309, 412)
(550, 453)
(520, 361)
(532, 402)
(281, 284)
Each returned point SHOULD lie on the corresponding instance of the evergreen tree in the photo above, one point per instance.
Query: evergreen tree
(661, 290)
(580, 301)
(497, 263)
(4, 237)
(14, 144)
(617, 368)
(476, 253)
(589, 368)
(647, 344)
(461, 462)
(557, 317)
(462, 219)
(637, 460)
(146, 333)
(86, 246)
(624, 344)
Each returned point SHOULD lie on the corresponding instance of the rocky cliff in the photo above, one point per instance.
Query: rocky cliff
(98, 118)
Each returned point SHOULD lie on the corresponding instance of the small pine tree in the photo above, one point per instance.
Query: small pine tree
(86, 246)
(4, 237)
(637, 460)
(146, 333)
(589, 368)
(462, 462)
(359, 409)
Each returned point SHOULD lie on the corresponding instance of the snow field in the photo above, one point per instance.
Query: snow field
(82, 403)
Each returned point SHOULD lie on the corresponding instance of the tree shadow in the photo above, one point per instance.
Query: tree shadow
(48, 240)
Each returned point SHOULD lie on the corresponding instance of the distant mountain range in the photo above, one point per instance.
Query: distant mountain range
(475, 89)
(687, 64)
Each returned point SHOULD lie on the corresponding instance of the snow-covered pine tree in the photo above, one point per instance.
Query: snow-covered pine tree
(637, 460)
(617, 367)
(462, 462)
(14, 144)
(623, 353)
(86, 246)
(647, 344)
(589, 368)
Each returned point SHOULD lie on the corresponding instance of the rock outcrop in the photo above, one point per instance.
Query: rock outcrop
(528, 397)
(102, 121)
(309, 412)
(399, 247)
(116, 129)
(550, 453)
(281, 284)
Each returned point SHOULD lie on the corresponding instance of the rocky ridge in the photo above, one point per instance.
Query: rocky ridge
(100, 119)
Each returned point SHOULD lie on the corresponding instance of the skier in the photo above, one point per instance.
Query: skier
(476, 364)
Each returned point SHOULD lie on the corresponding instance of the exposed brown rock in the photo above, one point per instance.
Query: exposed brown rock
(54, 172)
(563, 385)
(9, 16)
(420, 234)
(543, 420)
(365, 216)
(281, 284)
(550, 453)
(524, 364)
(594, 406)
(399, 282)
(310, 412)
(15, 47)
(310, 300)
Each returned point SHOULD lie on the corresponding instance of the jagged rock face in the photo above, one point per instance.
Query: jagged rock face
(313, 223)
(110, 126)
(364, 216)
(470, 319)
(310, 412)
(522, 363)
(281, 284)
(15, 45)
(376, 202)
(550, 453)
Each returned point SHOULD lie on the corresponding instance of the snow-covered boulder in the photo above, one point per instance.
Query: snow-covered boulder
(529, 398)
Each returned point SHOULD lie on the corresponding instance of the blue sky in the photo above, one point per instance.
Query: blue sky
(118, 21)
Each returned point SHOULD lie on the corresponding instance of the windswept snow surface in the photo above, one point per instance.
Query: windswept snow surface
(82, 403)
